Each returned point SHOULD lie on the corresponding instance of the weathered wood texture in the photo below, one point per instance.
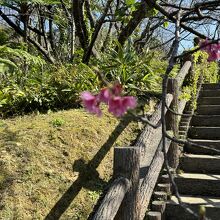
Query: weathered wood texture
(127, 165)
(182, 105)
(172, 124)
(172, 118)
(158, 206)
(150, 180)
(113, 199)
(153, 216)
(150, 138)
(157, 157)
(183, 72)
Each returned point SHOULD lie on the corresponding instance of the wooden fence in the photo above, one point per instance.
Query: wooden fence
(136, 169)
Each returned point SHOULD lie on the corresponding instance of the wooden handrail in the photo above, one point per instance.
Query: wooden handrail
(113, 199)
(137, 168)
(150, 180)
(149, 140)
(180, 77)
(146, 137)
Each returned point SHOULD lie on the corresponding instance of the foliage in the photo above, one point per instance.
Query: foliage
(135, 71)
(58, 122)
(53, 88)
(186, 93)
(4, 36)
(201, 68)
(29, 84)
(209, 70)
(16, 58)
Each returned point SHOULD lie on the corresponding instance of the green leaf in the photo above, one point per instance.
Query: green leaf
(166, 24)
(129, 2)
(66, 90)
(8, 62)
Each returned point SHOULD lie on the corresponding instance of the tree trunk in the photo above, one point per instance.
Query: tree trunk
(81, 30)
(73, 29)
(137, 17)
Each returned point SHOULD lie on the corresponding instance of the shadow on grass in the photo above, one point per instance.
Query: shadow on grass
(7, 135)
(87, 173)
(9, 139)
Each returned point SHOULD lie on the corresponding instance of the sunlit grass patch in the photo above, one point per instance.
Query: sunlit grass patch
(43, 156)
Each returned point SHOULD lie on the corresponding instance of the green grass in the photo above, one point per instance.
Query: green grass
(62, 158)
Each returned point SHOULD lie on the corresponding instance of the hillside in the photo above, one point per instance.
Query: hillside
(44, 156)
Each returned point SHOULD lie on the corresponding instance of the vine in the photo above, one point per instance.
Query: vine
(201, 67)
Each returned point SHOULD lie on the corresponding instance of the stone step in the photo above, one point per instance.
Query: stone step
(163, 187)
(213, 144)
(208, 110)
(205, 120)
(209, 86)
(153, 215)
(210, 93)
(175, 212)
(183, 127)
(198, 184)
(183, 123)
(204, 132)
(185, 119)
(209, 101)
(195, 163)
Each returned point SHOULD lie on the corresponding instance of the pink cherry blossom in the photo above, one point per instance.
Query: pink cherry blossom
(212, 49)
(117, 89)
(118, 105)
(213, 55)
(216, 46)
(104, 95)
(91, 103)
(129, 102)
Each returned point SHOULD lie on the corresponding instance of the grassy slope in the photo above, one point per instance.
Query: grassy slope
(40, 161)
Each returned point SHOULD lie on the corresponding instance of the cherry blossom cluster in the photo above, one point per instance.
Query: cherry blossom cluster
(117, 104)
(212, 49)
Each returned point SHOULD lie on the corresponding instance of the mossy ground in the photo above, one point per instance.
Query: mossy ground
(57, 163)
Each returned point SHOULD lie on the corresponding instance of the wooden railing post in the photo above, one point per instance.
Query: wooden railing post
(173, 120)
(127, 165)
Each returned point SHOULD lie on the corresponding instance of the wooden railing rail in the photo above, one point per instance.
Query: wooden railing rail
(182, 73)
(154, 152)
(136, 169)
(113, 199)
(175, 88)
(149, 182)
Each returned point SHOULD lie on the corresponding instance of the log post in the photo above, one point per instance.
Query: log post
(172, 119)
(127, 165)
(154, 215)
(159, 206)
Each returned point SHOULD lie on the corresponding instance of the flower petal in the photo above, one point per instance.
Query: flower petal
(91, 103)
(117, 89)
(116, 107)
(104, 95)
(129, 102)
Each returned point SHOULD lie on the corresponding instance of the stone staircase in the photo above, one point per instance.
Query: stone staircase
(199, 183)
